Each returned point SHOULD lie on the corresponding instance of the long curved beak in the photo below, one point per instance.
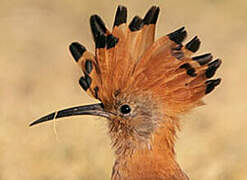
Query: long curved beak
(92, 109)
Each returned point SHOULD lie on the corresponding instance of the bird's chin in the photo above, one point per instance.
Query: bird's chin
(126, 140)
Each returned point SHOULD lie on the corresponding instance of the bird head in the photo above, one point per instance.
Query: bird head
(142, 84)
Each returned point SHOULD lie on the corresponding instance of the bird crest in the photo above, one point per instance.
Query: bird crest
(142, 83)
(128, 60)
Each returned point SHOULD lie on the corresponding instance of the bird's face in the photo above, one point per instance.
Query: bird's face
(132, 119)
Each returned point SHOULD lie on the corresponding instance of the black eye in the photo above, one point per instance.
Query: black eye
(125, 109)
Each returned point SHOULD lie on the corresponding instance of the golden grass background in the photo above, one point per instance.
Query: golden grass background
(38, 75)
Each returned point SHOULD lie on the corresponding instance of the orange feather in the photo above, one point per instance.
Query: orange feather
(143, 85)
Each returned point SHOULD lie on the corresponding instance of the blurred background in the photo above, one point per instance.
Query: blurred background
(38, 76)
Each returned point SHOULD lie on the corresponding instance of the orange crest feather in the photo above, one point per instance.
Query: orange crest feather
(129, 60)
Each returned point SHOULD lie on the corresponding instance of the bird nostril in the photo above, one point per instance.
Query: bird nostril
(125, 109)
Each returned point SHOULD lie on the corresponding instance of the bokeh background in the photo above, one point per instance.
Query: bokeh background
(38, 75)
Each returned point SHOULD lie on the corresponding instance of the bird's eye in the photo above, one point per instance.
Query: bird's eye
(125, 109)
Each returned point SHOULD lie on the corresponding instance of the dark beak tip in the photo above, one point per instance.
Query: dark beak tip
(93, 109)
(31, 124)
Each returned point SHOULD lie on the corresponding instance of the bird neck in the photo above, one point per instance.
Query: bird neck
(157, 162)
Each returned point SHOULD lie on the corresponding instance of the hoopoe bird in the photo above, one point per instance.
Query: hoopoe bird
(143, 85)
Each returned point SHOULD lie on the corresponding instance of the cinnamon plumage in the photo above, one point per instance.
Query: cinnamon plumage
(143, 85)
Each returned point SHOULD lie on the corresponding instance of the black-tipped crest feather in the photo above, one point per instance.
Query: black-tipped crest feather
(97, 26)
(111, 41)
(193, 45)
(100, 41)
(152, 15)
(88, 66)
(211, 84)
(178, 36)
(136, 24)
(203, 59)
(212, 67)
(83, 83)
(77, 50)
(121, 16)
